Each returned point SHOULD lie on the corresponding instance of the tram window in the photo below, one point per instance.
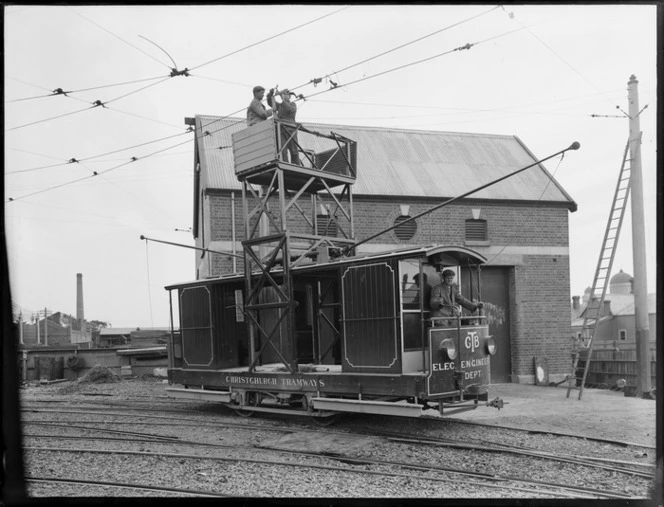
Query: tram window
(410, 292)
(410, 286)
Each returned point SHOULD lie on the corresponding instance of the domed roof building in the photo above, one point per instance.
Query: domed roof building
(621, 283)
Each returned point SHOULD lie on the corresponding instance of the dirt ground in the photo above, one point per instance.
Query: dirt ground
(600, 413)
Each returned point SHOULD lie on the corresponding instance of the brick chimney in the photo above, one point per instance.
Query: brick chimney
(575, 302)
(606, 310)
(79, 299)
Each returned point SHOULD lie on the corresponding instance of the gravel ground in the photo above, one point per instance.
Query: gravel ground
(533, 407)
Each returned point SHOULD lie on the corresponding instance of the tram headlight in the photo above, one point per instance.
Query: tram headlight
(448, 347)
(491, 346)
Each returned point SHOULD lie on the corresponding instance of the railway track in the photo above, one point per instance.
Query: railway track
(474, 478)
(132, 487)
(192, 408)
(101, 422)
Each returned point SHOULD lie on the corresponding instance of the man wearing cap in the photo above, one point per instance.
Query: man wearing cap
(444, 298)
(256, 111)
(286, 111)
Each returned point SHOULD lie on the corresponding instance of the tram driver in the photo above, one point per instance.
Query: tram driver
(444, 298)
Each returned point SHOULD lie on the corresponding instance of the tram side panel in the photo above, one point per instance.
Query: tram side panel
(370, 319)
(212, 327)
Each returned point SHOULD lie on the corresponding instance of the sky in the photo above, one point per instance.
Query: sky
(88, 171)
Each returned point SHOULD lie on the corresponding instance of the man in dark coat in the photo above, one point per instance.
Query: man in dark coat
(445, 297)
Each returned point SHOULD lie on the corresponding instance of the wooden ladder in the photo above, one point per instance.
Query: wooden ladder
(593, 311)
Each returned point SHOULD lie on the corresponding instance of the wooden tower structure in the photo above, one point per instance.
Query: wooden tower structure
(297, 210)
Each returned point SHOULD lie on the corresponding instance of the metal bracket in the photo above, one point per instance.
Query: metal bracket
(496, 403)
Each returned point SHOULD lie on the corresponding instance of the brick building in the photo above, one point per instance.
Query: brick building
(519, 224)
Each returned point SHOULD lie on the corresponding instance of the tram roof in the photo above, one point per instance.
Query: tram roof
(413, 163)
(448, 255)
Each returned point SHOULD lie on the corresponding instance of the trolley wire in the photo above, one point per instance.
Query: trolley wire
(96, 173)
(270, 38)
(365, 78)
(511, 16)
(117, 36)
(67, 93)
(71, 160)
(460, 48)
(318, 80)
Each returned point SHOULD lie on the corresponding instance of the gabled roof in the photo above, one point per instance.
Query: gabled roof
(620, 305)
(412, 163)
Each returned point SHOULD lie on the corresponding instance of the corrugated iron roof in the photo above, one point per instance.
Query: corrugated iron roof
(621, 305)
(412, 163)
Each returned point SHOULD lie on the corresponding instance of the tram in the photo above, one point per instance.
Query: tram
(364, 340)
(312, 326)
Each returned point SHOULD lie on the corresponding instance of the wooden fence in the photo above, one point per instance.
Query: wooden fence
(612, 361)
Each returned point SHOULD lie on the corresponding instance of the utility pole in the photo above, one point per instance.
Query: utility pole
(639, 245)
(20, 327)
(45, 326)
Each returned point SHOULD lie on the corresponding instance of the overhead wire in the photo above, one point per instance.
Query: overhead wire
(466, 46)
(549, 180)
(511, 15)
(68, 93)
(99, 103)
(118, 37)
(417, 62)
(400, 46)
(71, 160)
(96, 173)
(269, 38)
(365, 78)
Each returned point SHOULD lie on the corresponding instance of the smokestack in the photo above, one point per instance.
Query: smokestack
(575, 303)
(79, 298)
(607, 308)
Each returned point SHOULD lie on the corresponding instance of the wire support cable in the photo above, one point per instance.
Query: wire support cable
(86, 159)
(318, 80)
(97, 173)
(117, 37)
(417, 62)
(68, 93)
(270, 38)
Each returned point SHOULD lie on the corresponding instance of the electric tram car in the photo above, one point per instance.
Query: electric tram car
(362, 339)
(329, 330)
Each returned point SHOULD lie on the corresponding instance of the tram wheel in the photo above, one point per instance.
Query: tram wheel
(326, 421)
(253, 400)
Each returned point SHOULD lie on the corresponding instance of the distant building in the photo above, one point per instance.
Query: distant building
(55, 330)
(617, 317)
(133, 337)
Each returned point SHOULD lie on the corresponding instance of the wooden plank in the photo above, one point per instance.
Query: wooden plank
(256, 159)
(258, 152)
(253, 130)
(263, 139)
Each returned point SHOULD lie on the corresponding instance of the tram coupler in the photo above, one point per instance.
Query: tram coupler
(496, 403)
